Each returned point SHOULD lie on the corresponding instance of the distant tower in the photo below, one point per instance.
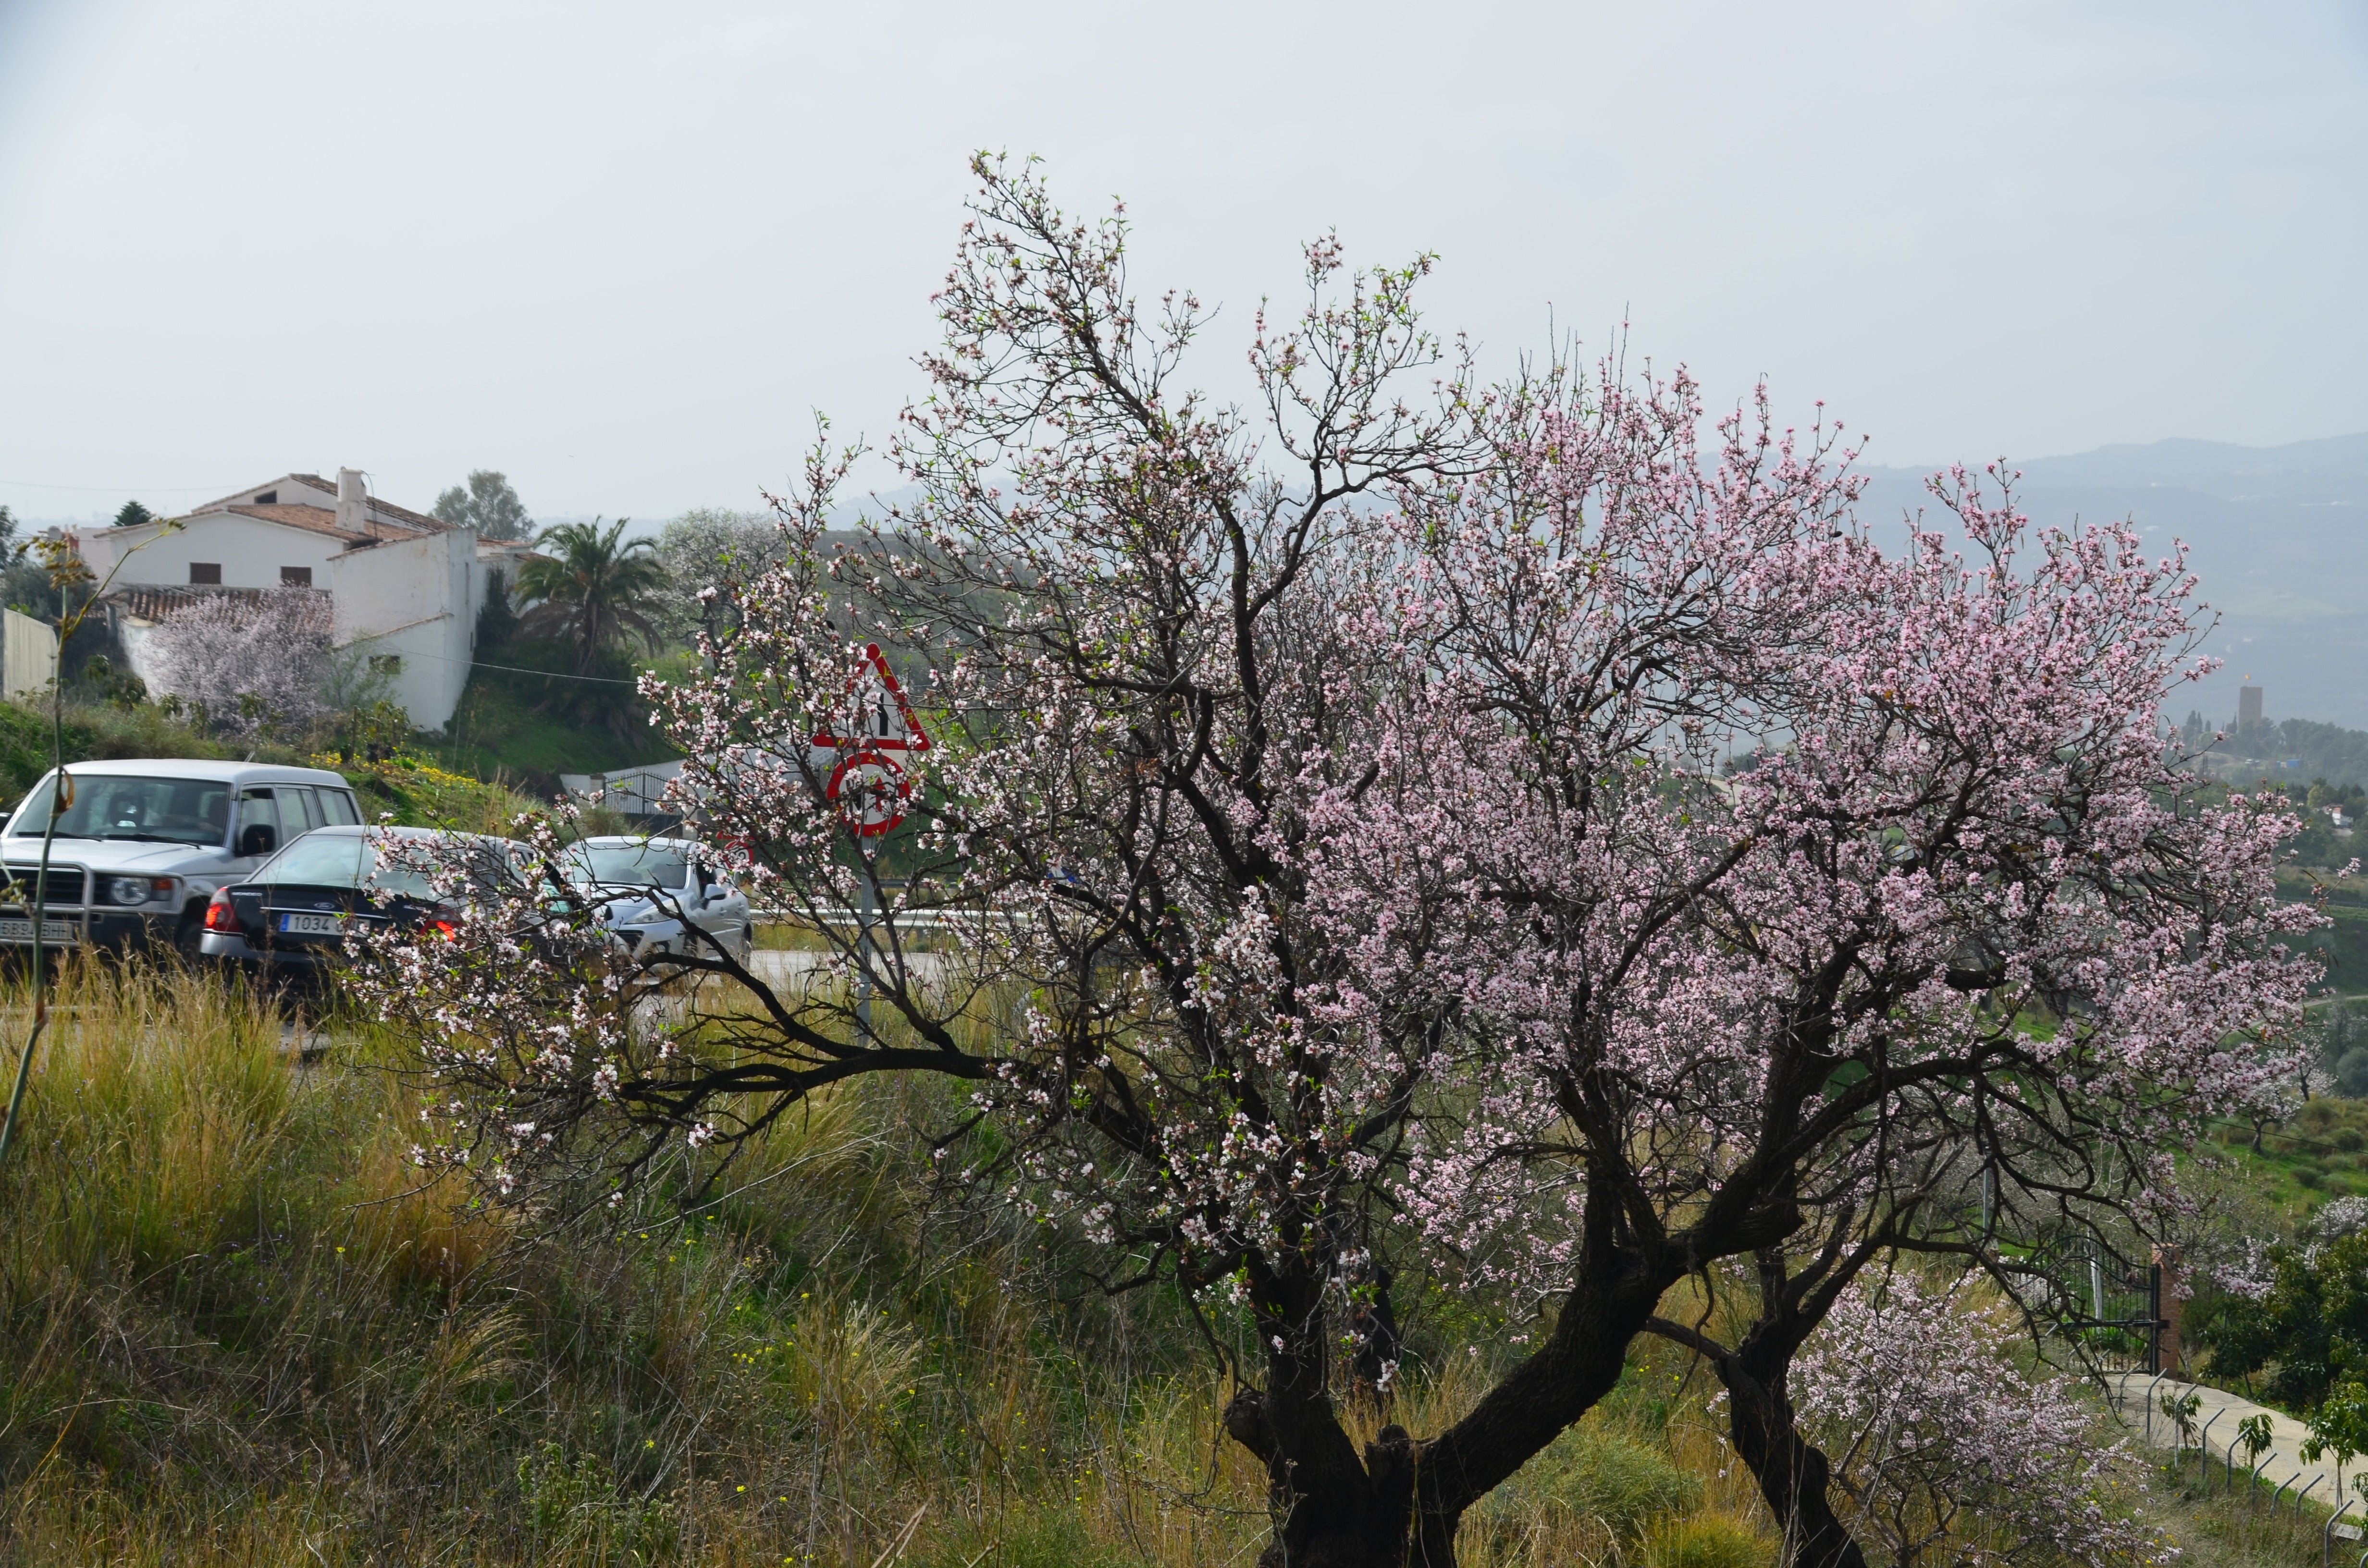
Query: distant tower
(2249, 706)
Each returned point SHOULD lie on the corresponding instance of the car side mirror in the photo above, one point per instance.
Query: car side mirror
(714, 895)
(258, 838)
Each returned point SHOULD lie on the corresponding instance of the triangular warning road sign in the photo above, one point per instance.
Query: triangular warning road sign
(879, 715)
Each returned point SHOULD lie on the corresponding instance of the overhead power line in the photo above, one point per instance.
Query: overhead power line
(553, 674)
(114, 489)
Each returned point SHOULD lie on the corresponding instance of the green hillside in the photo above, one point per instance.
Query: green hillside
(527, 728)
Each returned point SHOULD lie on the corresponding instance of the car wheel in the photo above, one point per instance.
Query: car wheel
(747, 945)
(187, 936)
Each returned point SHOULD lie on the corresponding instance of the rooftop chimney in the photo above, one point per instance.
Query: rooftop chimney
(352, 507)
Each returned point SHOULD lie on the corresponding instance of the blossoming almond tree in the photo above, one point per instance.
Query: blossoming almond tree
(1338, 885)
(246, 661)
(1735, 1009)
(1836, 1023)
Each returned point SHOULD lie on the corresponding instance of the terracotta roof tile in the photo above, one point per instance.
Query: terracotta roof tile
(389, 520)
(154, 602)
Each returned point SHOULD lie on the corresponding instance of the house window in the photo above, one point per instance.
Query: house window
(205, 574)
(295, 577)
(386, 663)
(267, 498)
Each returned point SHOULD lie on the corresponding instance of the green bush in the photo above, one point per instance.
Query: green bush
(1705, 1540)
(578, 1507)
(94, 734)
(1604, 1476)
(2310, 1332)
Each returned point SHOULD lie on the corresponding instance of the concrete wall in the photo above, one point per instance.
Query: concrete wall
(29, 654)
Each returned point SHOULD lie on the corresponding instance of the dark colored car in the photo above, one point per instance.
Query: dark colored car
(293, 913)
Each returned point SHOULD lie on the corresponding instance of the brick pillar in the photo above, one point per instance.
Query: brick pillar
(2172, 1310)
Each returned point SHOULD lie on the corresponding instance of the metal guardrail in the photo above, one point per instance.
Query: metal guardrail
(904, 919)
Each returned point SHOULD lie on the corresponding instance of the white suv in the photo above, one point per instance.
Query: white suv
(143, 844)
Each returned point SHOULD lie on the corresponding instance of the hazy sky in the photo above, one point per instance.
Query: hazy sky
(621, 251)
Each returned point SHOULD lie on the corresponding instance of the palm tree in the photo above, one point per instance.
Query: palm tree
(593, 590)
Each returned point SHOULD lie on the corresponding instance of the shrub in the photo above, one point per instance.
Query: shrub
(1706, 1540)
(1604, 1476)
(2310, 1331)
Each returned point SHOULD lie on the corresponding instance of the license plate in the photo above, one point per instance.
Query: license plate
(21, 930)
(311, 925)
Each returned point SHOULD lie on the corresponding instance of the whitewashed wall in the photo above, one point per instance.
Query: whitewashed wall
(417, 599)
(249, 552)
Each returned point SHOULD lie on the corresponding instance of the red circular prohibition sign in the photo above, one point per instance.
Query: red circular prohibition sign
(871, 791)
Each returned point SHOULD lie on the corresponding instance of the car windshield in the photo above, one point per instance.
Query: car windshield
(341, 860)
(113, 805)
(629, 865)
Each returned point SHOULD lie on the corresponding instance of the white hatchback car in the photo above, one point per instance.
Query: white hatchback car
(662, 895)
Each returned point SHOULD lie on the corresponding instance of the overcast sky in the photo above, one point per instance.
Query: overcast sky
(621, 251)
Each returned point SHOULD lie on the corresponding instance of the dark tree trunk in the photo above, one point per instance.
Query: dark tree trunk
(1792, 1473)
(1331, 1515)
(1400, 1502)
(1333, 1508)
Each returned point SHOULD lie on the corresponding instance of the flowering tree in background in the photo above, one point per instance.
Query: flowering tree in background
(1347, 886)
(1939, 1437)
(248, 662)
(708, 546)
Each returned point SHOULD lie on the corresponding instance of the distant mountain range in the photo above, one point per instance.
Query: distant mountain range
(2278, 537)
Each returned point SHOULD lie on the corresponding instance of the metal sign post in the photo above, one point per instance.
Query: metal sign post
(871, 787)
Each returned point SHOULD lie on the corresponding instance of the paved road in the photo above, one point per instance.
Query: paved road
(2135, 1395)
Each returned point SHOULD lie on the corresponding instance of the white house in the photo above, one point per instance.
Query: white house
(404, 587)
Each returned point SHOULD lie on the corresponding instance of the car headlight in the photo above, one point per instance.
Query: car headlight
(140, 889)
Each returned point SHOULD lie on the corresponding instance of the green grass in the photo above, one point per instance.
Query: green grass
(2215, 1529)
(2321, 1152)
(234, 1327)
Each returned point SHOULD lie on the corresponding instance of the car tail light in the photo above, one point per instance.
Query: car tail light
(447, 929)
(220, 915)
